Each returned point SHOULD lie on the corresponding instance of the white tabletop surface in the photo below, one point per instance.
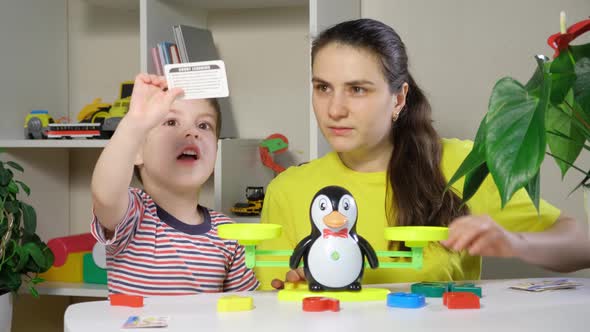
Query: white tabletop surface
(502, 309)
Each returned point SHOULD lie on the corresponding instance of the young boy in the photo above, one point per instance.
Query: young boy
(160, 241)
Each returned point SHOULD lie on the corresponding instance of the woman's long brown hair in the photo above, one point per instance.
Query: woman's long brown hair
(417, 195)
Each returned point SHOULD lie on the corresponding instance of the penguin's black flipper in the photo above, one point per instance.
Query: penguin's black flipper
(299, 251)
(368, 251)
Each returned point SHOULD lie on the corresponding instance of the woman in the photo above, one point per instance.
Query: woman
(388, 155)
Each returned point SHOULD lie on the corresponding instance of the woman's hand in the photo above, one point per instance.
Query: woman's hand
(292, 276)
(482, 236)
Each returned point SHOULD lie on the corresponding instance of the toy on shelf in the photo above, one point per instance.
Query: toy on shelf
(73, 130)
(63, 246)
(116, 113)
(37, 124)
(107, 115)
(414, 237)
(270, 146)
(96, 120)
(255, 196)
(94, 112)
(69, 254)
(95, 265)
(78, 258)
(333, 254)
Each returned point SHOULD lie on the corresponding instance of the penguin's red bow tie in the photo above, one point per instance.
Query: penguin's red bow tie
(343, 233)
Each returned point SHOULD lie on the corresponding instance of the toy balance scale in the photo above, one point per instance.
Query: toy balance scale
(333, 254)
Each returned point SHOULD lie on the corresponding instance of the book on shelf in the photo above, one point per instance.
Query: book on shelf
(194, 44)
(165, 51)
(174, 54)
(157, 62)
(163, 54)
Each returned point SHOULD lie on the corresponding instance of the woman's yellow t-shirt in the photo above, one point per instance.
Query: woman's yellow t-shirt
(289, 195)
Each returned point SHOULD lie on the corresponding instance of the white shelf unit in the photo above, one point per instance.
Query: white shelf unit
(73, 51)
(53, 143)
(69, 289)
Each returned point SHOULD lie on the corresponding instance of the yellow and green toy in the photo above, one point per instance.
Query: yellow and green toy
(333, 254)
(37, 124)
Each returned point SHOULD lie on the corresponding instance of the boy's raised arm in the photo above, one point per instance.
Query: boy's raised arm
(150, 102)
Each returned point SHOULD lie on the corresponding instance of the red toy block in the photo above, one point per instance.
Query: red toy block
(62, 246)
(124, 300)
(319, 303)
(461, 300)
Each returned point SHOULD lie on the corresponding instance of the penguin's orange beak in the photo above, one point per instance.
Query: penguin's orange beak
(335, 219)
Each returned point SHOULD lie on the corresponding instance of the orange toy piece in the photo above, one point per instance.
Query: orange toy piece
(461, 300)
(320, 303)
(125, 300)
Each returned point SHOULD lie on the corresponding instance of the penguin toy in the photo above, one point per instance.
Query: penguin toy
(333, 254)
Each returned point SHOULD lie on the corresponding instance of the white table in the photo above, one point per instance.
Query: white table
(502, 309)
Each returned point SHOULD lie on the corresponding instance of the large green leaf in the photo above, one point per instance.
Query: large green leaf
(473, 181)
(29, 217)
(474, 159)
(533, 188)
(559, 119)
(582, 85)
(515, 135)
(562, 76)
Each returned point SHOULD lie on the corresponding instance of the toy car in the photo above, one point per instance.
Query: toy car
(37, 123)
(255, 196)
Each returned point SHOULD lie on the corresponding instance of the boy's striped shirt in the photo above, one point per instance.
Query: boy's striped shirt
(152, 253)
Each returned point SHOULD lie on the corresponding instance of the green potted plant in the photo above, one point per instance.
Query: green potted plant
(22, 253)
(551, 109)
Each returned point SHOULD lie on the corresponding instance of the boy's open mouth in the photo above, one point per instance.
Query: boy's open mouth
(190, 153)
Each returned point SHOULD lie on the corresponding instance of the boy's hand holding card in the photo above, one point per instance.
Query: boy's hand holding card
(200, 80)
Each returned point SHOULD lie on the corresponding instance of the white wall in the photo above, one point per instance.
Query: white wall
(103, 51)
(269, 88)
(458, 49)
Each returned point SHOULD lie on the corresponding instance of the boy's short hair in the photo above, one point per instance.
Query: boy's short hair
(215, 104)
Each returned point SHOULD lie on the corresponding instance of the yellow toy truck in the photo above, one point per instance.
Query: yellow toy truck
(108, 115)
(255, 196)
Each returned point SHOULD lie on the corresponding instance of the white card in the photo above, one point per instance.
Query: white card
(199, 80)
